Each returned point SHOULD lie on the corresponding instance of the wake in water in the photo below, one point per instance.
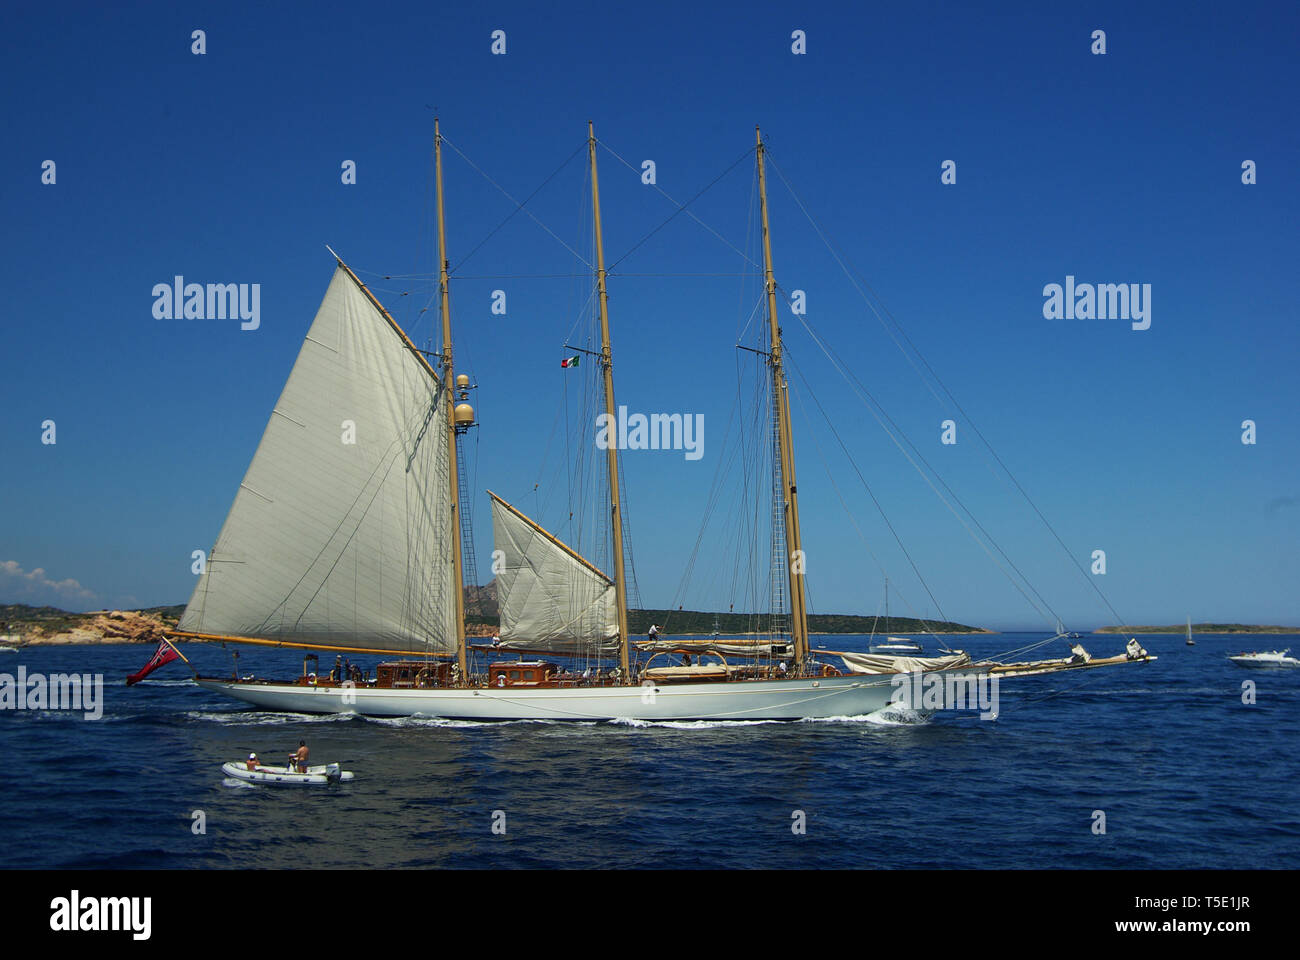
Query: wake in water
(417, 721)
(189, 682)
(688, 724)
(253, 718)
(887, 716)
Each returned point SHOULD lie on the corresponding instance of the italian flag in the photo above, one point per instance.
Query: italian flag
(569, 362)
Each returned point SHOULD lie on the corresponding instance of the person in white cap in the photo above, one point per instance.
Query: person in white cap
(252, 761)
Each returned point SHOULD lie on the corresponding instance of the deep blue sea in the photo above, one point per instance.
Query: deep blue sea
(1187, 775)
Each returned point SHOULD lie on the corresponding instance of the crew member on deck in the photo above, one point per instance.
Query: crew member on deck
(301, 756)
(653, 633)
(686, 659)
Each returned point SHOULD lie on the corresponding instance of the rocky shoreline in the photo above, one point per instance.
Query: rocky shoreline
(119, 627)
(99, 626)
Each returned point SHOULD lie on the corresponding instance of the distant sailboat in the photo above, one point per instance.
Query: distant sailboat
(1062, 632)
(1190, 641)
(894, 644)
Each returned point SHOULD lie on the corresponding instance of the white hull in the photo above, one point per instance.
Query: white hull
(317, 775)
(1258, 660)
(852, 695)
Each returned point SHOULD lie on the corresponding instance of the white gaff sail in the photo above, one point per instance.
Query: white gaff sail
(340, 533)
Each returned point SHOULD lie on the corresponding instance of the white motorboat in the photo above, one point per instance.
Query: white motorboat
(320, 774)
(896, 645)
(1272, 658)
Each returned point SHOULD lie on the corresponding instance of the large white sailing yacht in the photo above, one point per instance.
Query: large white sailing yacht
(356, 549)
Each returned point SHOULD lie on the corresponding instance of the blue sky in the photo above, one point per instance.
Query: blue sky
(1125, 167)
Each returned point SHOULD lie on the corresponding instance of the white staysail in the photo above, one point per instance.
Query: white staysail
(340, 531)
(550, 599)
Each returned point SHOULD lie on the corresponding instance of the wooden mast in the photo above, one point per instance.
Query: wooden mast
(448, 384)
(781, 397)
(611, 451)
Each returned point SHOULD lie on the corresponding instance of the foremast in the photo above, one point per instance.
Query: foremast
(448, 379)
(611, 450)
(781, 398)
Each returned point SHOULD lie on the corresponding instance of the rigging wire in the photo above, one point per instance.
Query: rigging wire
(518, 206)
(681, 207)
(879, 508)
(894, 434)
(858, 282)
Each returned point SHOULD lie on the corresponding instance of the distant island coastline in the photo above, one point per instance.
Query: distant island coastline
(1181, 628)
(42, 626)
(700, 623)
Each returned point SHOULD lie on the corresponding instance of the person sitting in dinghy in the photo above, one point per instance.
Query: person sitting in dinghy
(253, 761)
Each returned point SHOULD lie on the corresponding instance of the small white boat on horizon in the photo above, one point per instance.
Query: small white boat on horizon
(896, 645)
(1272, 658)
(320, 774)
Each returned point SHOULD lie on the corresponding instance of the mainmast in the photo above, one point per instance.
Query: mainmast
(453, 479)
(781, 397)
(611, 451)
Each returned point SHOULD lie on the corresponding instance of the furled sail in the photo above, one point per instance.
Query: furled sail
(738, 646)
(549, 597)
(876, 663)
(340, 533)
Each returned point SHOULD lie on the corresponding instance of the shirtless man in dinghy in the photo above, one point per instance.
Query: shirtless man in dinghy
(301, 756)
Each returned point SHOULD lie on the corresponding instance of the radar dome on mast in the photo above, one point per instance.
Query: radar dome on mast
(464, 413)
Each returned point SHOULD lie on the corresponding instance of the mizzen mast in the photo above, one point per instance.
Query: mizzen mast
(781, 397)
(611, 452)
(448, 380)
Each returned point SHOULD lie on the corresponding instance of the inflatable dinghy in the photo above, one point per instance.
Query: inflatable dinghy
(322, 773)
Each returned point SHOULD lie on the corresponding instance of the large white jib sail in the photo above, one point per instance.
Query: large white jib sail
(550, 599)
(340, 534)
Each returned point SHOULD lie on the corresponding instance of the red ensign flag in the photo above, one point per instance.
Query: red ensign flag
(164, 654)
